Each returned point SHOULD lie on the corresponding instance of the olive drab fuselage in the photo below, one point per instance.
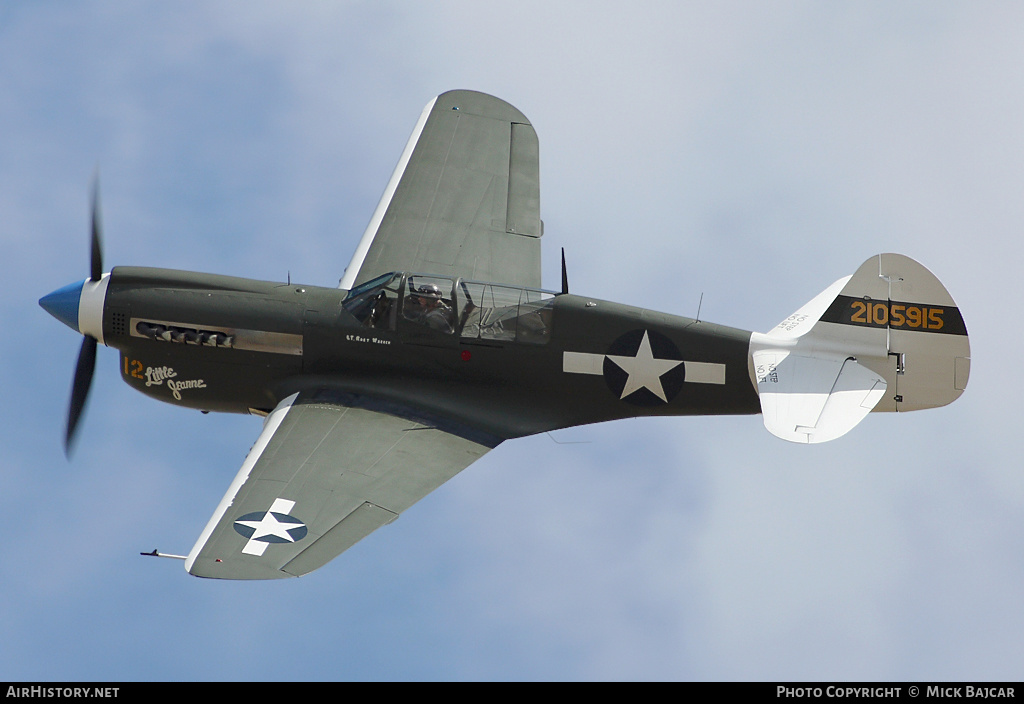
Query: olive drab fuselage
(508, 360)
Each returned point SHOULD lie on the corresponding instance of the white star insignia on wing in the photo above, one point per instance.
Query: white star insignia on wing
(269, 525)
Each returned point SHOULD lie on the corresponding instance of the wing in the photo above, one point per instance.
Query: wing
(328, 469)
(464, 199)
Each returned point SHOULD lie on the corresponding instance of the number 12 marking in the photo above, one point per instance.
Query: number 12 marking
(133, 368)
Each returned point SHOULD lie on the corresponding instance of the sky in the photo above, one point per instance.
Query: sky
(750, 153)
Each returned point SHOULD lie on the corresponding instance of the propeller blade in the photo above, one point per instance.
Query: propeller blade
(96, 258)
(80, 389)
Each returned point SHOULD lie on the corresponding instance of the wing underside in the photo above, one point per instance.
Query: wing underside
(464, 199)
(328, 469)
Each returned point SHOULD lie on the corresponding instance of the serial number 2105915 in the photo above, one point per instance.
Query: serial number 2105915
(897, 315)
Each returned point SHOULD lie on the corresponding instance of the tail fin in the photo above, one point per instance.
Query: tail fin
(888, 338)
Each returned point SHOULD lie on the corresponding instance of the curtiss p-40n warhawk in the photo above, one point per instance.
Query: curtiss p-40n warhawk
(439, 344)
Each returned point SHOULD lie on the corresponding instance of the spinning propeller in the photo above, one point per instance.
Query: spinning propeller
(66, 305)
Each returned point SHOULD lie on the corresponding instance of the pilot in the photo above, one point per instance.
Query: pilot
(427, 306)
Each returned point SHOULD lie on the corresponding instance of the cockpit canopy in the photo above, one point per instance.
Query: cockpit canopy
(473, 309)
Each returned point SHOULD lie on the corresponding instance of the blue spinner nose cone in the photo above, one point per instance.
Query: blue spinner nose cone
(62, 304)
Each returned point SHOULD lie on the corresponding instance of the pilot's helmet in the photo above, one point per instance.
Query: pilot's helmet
(429, 292)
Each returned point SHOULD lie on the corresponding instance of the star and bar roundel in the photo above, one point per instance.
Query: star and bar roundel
(644, 368)
(273, 526)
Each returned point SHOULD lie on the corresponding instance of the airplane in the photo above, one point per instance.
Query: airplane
(439, 344)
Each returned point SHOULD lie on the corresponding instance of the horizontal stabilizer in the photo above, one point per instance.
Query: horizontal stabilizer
(813, 399)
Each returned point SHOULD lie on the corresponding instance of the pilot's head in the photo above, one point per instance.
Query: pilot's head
(428, 295)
